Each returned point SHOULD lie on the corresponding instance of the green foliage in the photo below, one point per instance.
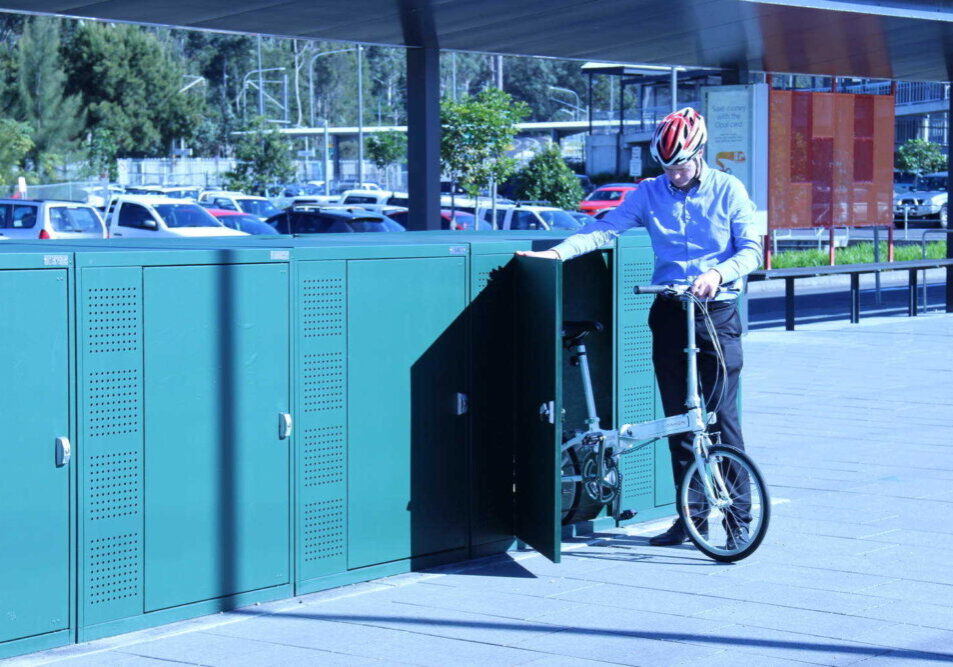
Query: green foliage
(15, 144)
(547, 177)
(56, 118)
(859, 253)
(386, 148)
(102, 151)
(264, 158)
(130, 84)
(477, 131)
(917, 156)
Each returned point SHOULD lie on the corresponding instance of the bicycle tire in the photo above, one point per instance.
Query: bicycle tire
(754, 514)
(571, 491)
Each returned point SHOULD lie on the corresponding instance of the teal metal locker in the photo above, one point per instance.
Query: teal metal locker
(36, 478)
(184, 375)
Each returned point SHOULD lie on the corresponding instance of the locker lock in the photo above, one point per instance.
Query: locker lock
(284, 426)
(64, 451)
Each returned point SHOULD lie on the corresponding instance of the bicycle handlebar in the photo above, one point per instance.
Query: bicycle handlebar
(653, 289)
(674, 290)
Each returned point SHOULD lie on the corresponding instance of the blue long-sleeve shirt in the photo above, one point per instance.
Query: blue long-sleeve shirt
(710, 226)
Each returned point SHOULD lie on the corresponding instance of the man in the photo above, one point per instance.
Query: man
(700, 224)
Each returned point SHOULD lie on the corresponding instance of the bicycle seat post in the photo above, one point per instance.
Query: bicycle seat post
(592, 418)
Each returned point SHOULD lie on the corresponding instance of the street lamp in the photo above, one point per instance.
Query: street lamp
(578, 105)
(311, 75)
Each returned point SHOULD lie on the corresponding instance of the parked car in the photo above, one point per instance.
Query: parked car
(151, 216)
(365, 217)
(581, 218)
(243, 222)
(48, 219)
(585, 183)
(527, 216)
(605, 197)
(927, 199)
(260, 207)
(374, 199)
(462, 221)
(319, 220)
(173, 191)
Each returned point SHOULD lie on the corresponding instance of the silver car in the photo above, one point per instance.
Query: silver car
(46, 219)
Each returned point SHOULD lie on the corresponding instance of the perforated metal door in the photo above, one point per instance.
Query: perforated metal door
(635, 398)
(321, 337)
(110, 446)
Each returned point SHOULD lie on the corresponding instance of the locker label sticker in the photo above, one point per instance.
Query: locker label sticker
(458, 250)
(281, 254)
(56, 260)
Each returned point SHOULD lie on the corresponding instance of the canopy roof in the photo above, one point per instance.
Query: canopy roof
(893, 39)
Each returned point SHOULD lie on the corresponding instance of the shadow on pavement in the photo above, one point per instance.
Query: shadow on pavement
(819, 647)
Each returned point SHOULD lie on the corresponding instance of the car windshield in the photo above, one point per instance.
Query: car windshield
(66, 219)
(605, 195)
(185, 215)
(260, 207)
(927, 183)
(559, 220)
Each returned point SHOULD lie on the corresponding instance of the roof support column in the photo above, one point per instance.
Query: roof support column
(423, 137)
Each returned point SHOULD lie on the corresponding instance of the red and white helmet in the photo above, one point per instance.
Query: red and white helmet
(679, 137)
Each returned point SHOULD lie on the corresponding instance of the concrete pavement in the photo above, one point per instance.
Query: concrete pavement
(852, 427)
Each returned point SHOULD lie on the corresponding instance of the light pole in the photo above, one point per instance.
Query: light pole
(360, 116)
(578, 106)
(311, 76)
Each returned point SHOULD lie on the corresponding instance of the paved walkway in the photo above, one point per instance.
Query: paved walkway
(852, 426)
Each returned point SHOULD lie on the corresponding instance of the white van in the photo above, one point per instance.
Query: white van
(151, 216)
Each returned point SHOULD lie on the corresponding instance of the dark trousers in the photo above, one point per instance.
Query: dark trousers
(667, 322)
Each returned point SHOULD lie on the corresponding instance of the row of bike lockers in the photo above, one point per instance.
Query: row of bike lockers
(202, 425)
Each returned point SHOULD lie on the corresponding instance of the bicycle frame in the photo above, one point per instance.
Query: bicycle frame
(630, 436)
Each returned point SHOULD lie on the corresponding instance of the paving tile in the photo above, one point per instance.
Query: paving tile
(116, 659)
(420, 646)
(208, 649)
(912, 638)
(792, 619)
(793, 646)
(491, 603)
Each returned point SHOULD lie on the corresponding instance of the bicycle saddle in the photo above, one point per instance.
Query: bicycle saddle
(574, 332)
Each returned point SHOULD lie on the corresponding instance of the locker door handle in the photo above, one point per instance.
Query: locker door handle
(64, 451)
(547, 412)
(284, 426)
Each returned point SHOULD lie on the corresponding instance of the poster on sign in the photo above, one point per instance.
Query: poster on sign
(737, 118)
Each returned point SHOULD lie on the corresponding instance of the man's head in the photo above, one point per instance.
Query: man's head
(683, 175)
(679, 139)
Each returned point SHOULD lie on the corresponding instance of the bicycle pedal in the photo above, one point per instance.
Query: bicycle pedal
(625, 515)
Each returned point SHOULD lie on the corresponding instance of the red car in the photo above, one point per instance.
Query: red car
(605, 197)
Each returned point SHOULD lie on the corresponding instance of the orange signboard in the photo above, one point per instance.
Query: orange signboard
(830, 159)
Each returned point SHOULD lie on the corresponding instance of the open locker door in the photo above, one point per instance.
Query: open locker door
(538, 404)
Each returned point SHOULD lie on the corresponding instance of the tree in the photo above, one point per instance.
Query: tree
(130, 84)
(917, 156)
(387, 148)
(547, 177)
(15, 144)
(477, 131)
(264, 158)
(56, 118)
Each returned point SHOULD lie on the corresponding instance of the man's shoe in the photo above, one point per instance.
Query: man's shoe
(737, 537)
(676, 535)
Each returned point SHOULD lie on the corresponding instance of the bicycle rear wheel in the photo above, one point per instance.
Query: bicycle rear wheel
(733, 531)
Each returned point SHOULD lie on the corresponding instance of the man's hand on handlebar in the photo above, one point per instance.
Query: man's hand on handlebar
(545, 254)
(706, 285)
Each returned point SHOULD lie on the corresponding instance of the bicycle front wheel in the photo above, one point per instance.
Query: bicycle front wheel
(734, 525)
